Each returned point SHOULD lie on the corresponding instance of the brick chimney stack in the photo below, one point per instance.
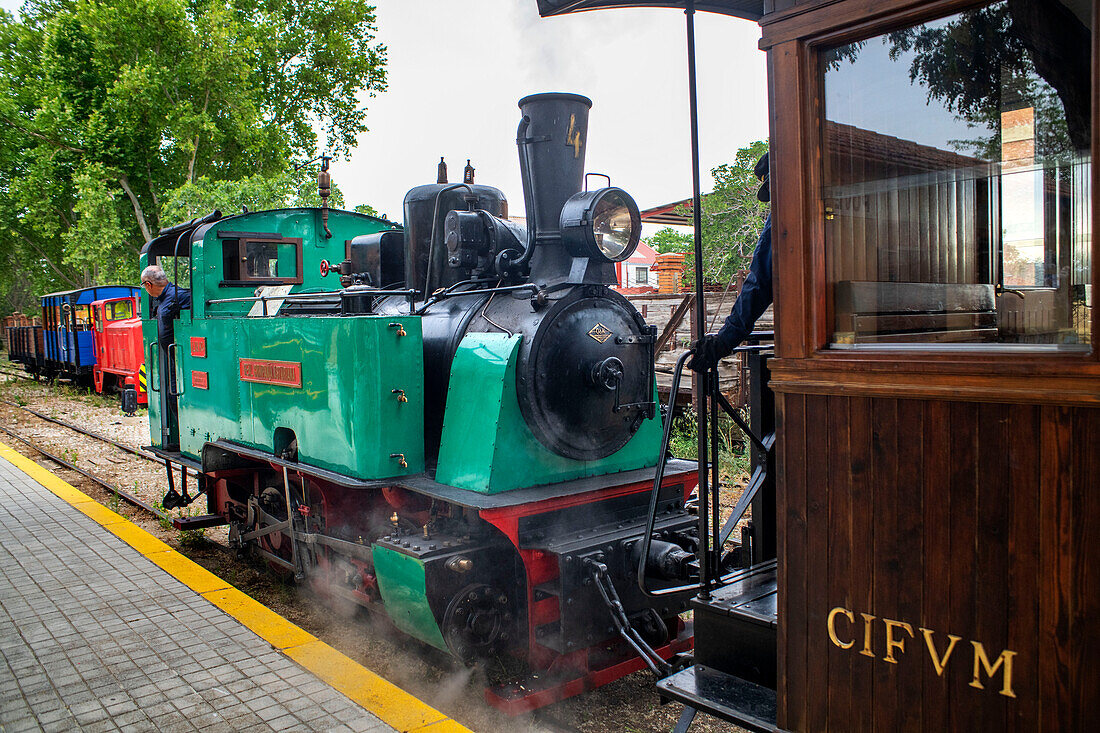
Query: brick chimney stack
(670, 271)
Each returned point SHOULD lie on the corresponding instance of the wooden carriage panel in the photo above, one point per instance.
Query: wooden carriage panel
(947, 497)
(927, 521)
(796, 476)
(792, 240)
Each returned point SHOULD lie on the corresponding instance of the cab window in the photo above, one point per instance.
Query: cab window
(256, 258)
(957, 182)
(120, 310)
(178, 269)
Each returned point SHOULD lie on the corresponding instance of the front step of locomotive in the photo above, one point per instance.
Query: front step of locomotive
(573, 636)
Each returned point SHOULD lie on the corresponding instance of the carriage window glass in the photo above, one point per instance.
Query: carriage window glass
(121, 310)
(97, 315)
(957, 181)
(81, 318)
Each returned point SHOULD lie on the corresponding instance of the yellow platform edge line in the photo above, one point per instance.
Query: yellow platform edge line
(394, 706)
(390, 703)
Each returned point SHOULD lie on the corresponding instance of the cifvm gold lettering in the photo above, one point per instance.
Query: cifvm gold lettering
(938, 662)
(832, 626)
(981, 660)
(894, 643)
(868, 619)
(841, 625)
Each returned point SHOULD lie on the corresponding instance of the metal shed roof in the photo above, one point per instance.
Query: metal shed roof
(666, 214)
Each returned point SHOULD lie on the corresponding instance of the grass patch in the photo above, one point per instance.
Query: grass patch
(165, 521)
(192, 538)
(733, 446)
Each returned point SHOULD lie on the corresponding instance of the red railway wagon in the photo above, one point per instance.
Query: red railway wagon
(117, 344)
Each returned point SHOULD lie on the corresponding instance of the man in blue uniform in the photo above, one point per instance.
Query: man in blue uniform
(166, 300)
(752, 301)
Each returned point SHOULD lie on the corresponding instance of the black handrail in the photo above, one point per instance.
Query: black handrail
(709, 552)
(658, 478)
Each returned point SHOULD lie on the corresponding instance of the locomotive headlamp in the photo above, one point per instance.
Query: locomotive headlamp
(604, 224)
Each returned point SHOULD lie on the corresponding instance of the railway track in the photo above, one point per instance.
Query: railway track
(120, 493)
(91, 434)
(16, 374)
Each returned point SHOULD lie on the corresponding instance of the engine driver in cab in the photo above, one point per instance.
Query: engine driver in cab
(755, 295)
(166, 301)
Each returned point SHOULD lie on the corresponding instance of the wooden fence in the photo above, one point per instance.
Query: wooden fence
(674, 316)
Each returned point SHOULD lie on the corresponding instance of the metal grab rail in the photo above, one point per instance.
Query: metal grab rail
(708, 553)
(311, 296)
(651, 518)
(154, 385)
(175, 382)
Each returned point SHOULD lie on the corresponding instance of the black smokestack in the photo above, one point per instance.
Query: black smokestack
(552, 139)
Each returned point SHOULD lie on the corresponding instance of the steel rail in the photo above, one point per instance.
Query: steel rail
(19, 374)
(89, 433)
(124, 495)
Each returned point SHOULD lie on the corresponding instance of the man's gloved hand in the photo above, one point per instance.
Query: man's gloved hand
(708, 350)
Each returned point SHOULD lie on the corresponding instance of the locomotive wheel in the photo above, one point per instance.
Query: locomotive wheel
(273, 503)
(477, 622)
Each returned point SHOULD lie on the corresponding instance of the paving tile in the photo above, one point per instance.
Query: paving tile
(62, 725)
(132, 720)
(100, 726)
(96, 637)
(21, 725)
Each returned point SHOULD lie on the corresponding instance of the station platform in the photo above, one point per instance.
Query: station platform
(103, 627)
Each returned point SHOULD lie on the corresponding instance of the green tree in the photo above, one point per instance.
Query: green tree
(107, 108)
(254, 193)
(671, 240)
(732, 219)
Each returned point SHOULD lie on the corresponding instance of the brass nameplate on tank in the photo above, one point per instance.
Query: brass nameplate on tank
(267, 371)
(600, 332)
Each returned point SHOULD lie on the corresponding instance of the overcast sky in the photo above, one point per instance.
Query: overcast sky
(458, 67)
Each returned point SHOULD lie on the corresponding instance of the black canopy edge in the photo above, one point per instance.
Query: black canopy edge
(747, 9)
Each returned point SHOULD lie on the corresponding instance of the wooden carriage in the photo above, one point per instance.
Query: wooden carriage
(938, 403)
(936, 375)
